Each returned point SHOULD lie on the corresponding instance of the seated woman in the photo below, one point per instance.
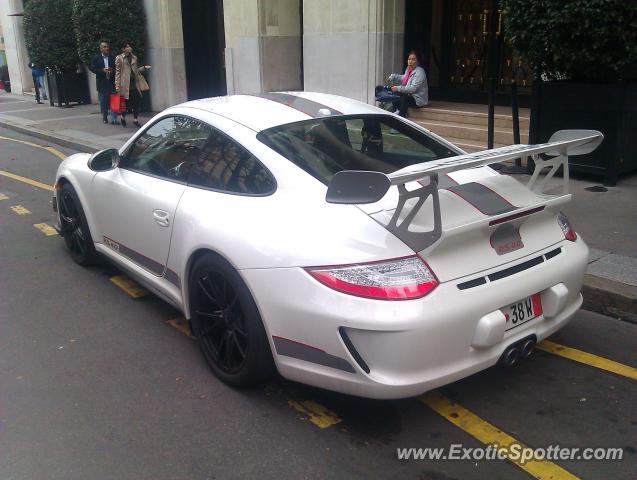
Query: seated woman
(412, 90)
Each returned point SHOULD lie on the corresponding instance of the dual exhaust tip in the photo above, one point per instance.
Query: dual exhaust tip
(522, 349)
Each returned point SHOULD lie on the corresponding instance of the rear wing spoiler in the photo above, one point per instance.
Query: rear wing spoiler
(361, 187)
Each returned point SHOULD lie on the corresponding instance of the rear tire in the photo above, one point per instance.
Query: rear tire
(226, 322)
(74, 227)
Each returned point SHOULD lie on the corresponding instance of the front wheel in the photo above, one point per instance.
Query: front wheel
(74, 227)
(227, 324)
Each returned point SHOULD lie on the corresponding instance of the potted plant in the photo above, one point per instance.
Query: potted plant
(585, 56)
(50, 41)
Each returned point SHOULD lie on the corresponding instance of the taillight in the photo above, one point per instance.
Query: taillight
(565, 225)
(399, 279)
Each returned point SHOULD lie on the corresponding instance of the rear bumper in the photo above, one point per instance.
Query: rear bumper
(409, 346)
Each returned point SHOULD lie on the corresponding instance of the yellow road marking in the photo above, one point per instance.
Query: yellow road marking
(129, 286)
(489, 435)
(3, 196)
(45, 229)
(52, 150)
(319, 415)
(588, 359)
(20, 210)
(56, 152)
(181, 324)
(34, 183)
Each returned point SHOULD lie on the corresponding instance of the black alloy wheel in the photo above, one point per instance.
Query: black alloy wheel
(74, 227)
(223, 332)
(227, 324)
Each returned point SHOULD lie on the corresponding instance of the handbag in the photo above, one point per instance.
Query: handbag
(117, 103)
(143, 84)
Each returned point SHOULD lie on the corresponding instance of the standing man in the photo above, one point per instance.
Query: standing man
(103, 66)
(37, 73)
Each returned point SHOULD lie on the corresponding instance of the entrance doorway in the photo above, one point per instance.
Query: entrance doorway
(469, 47)
(204, 43)
(456, 35)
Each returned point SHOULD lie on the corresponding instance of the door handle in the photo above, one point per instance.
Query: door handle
(161, 218)
(499, 23)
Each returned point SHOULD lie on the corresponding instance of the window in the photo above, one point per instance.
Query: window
(227, 166)
(169, 149)
(382, 143)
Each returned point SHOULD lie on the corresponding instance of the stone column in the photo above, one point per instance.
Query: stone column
(350, 46)
(386, 56)
(165, 53)
(280, 28)
(242, 53)
(17, 56)
(263, 45)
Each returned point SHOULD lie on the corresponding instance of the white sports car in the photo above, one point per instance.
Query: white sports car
(343, 246)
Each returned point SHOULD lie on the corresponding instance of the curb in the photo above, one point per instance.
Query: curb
(609, 297)
(601, 295)
(86, 147)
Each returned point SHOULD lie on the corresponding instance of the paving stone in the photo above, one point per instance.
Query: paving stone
(615, 267)
(595, 254)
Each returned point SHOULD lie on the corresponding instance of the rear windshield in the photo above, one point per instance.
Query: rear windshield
(322, 147)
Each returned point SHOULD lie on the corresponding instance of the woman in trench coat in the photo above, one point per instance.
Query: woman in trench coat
(129, 81)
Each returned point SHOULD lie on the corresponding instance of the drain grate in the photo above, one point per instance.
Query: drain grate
(596, 188)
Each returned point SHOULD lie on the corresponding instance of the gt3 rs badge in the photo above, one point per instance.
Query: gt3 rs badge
(506, 239)
(111, 244)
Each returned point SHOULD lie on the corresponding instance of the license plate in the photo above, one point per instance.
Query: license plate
(521, 312)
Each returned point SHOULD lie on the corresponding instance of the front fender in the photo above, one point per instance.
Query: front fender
(74, 170)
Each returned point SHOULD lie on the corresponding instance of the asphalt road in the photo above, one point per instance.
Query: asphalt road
(95, 384)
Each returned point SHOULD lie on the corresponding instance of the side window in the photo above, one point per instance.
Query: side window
(227, 166)
(169, 149)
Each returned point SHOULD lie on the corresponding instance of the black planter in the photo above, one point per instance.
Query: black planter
(609, 108)
(68, 87)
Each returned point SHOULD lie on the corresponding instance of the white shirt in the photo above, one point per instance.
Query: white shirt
(105, 58)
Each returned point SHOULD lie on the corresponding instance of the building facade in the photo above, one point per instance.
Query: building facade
(345, 47)
(14, 45)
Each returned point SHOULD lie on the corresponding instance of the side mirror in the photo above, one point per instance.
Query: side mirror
(104, 160)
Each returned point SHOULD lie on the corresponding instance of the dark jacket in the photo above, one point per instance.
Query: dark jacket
(36, 70)
(104, 85)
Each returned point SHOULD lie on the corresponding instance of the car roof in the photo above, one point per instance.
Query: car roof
(266, 110)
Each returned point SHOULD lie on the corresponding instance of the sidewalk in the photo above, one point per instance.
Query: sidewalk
(79, 127)
(606, 220)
